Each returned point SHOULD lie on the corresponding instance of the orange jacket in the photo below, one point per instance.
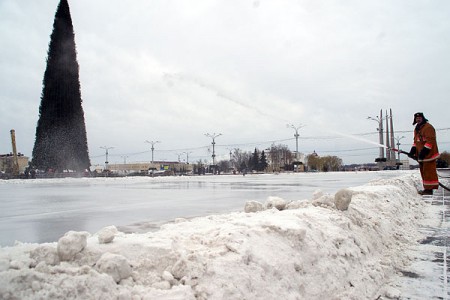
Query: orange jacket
(425, 136)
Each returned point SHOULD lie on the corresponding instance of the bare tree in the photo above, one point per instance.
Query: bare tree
(240, 159)
(325, 164)
(280, 157)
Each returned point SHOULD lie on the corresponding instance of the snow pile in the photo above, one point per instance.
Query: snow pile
(71, 244)
(346, 246)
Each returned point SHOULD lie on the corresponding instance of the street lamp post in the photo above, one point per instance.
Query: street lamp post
(187, 157)
(213, 136)
(379, 120)
(153, 146)
(230, 153)
(124, 159)
(398, 145)
(124, 163)
(296, 135)
(106, 155)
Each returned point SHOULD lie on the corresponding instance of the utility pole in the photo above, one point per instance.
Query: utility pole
(379, 120)
(213, 136)
(153, 146)
(124, 163)
(230, 153)
(398, 145)
(187, 157)
(106, 155)
(388, 143)
(392, 133)
(296, 135)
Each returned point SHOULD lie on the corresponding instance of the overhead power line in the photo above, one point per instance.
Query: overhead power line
(330, 137)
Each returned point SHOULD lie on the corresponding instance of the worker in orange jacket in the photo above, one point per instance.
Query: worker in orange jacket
(426, 152)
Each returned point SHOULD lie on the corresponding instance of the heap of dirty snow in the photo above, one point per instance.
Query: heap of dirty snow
(343, 246)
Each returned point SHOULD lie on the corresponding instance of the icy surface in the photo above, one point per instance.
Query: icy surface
(43, 210)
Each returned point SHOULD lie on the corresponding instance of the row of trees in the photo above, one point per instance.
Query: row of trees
(279, 156)
(247, 161)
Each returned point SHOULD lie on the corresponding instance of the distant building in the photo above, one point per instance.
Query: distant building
(147, 168)
(7, 161)
(403, 164)
(298, 156)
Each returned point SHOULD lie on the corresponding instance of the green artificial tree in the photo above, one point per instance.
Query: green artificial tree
(61, 142)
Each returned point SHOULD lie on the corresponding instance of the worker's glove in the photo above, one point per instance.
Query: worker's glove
(412, 152)
(423, 153)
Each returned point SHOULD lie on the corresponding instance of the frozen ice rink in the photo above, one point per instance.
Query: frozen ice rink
(42, 210)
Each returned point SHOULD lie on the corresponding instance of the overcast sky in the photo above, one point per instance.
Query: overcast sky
(172, 70)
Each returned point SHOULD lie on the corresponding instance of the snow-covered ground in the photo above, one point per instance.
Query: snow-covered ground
(427, 274)
(339, 242)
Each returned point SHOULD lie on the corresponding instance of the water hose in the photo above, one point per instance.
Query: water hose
(407, 153)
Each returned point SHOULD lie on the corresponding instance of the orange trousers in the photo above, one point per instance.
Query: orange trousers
(429, 175)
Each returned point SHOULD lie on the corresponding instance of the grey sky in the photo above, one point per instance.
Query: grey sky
(174, 70)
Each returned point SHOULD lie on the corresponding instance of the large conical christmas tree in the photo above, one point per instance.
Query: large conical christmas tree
(61, 142)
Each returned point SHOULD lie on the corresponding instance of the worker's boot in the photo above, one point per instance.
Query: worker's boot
(426, 192)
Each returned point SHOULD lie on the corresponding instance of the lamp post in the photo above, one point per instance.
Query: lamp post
(187, 157)
(124, 166)
(398, 145)
(213, 136)
(230, 159)
(106, 155)
(296, 135)
(379, 120)
(153, 146)
(230, 153)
